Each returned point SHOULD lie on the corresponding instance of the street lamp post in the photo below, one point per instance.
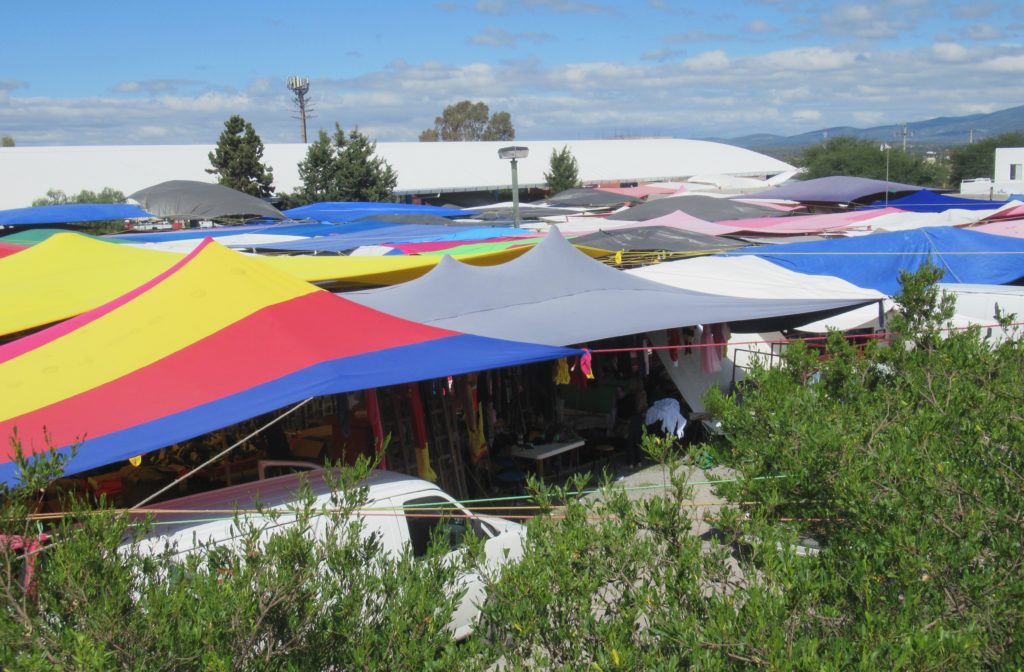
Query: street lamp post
(514, 154)
(886, 147)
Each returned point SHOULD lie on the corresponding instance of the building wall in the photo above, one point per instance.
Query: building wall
(27, 173)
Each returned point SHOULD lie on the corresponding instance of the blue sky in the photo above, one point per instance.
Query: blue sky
(172, 72)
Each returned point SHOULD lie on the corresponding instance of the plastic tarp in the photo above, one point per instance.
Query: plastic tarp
(751, 277)
(340, 211)
(188, 199)
(1013, 228)
(70, 273)
(708, 208)
(656, 238)
(7, 249)
(927, 200)
(835, 189)
(216, 339)
(32, 236)
(71, 213)
(875, 261)
(556, 295)
(292, 229)
(589, 198)
(342, 241)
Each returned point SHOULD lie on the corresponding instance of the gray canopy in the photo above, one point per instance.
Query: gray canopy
(708, 208)
(188, 199)
(656, 239)
(585, 197)
(556, 295)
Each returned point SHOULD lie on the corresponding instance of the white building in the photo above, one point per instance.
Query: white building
(427, 168)
(1009, 175)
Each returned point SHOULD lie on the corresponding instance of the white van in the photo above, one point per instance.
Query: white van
(387, 491)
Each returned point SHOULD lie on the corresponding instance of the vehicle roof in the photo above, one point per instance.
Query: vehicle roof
(279, 491)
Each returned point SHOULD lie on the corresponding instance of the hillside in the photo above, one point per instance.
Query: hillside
(932, 133)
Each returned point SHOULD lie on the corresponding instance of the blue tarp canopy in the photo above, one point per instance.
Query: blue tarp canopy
(835, 189)
(308, 229)
(875, 261)
(343, 240)
(71, 213)
(337, 211)
(927, 200)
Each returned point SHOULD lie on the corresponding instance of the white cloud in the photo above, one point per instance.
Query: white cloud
(759, 26)
(949, 52)
(807, 115)
(708, 61)
(984, 31)
(802, 59)
(869, 21)
(496, 37)
(1005, 64)
(496, 7)
(868, 118)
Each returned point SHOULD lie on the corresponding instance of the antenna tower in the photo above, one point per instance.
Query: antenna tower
(299, 86)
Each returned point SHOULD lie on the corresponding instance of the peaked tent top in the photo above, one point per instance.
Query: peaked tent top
(45, 283)
(188, 199)
(555, 294)
(217, 338)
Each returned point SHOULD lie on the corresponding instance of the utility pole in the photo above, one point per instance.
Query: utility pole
(903, 132)
(299, 86)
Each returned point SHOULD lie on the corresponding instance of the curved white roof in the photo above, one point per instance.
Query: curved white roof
(27, 173)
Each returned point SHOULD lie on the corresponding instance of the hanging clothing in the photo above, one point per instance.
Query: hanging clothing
(667, 412)
(710, 354)
(562, 372)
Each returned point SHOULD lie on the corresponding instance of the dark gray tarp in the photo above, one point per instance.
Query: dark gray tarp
(555, 295)
(588, 198)
(708, 208)
(835, 189)
(655, 239)
(187, 199)
(525, 212)
(410, 218)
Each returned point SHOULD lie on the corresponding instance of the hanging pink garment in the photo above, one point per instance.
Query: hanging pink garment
(710, 355)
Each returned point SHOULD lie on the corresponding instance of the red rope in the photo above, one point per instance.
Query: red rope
(806, 339)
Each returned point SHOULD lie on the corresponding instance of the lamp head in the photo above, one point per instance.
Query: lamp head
(513, 152)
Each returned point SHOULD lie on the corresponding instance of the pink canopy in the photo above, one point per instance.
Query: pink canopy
(1013, 228)
(642, 191)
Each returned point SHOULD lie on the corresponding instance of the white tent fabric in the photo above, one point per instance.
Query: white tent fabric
(555, 294)
(242, 240)
(905, 221)
(753, 278)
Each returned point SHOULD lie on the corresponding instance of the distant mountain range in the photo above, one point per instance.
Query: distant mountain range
(933, 133)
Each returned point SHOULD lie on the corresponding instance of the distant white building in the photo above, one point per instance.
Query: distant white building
(423, 168)
(1009, 175)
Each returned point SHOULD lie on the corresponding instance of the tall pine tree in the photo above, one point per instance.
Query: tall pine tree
(344, 168)
(564, 171)
(237, 160)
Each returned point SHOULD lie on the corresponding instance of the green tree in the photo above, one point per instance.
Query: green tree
(978, 159)
(563, 172)
(58, 197)
(344, 168)
(361, 175)
(467, 120)
(237, 160)
(7, 141)
(864, 158)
